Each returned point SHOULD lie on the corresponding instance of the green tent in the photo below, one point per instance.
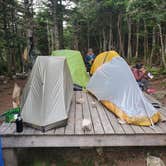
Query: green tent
(76, 66)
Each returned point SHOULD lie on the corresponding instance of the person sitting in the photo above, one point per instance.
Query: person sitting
(89, 58)
(140, 75)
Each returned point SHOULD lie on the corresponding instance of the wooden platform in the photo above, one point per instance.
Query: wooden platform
(106, 131)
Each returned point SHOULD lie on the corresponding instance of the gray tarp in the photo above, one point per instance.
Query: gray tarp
(48, 93)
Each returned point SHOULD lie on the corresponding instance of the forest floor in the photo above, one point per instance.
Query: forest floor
(85, 157)
(160, 85)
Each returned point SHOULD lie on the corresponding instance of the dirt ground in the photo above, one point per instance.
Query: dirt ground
(85, 157)
(6, 90)
(160, 85)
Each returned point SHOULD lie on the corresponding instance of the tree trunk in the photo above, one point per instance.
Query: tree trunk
(162, 47)
(104, 41)
(100, 43)
(145, 42)
(88, 34)
(54, 4)
(153, 47)
(75, 41)
(13, 55)
(52, 39)
(48, 38)
(110, 43)
(75, 36)
(28, 18)
(7, 51)
(137, 40)
(129, 38)
(120, 36)
(75, 46)
(60, 23)
(97, 41)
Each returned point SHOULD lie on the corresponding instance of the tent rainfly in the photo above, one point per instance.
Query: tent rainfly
(115, 86)
(76, 66)
(48, 93)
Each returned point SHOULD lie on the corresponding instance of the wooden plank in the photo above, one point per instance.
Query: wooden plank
(4, 127)
(71, 119)
(11, 129)
(162, 126)
(113, 120)
(38, 132)
(104, 119)
(127, 128)
(158, 129)
(87, 113)
(78, 115)
(163, 116)
(151, 99)
(163, 108)
(7, 130)
(137, 129)
(50, 132)
(148, 130)
(60, 131)
(111, 140)
(98, 128)
(162, 111)
(27, 131)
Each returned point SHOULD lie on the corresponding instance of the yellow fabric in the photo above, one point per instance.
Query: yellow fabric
(141, 121)
(102, 58)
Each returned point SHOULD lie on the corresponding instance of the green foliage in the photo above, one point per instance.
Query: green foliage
(68, 36)
(154, 70)
(133, 61)
(41, 32)
(157, 71)
(12, 38)
(88, 24)
(152, 11)
(163, 71)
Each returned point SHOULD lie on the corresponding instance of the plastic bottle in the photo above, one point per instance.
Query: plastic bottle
(19, 124)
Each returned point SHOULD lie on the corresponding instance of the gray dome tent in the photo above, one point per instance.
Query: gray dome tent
(47, 95)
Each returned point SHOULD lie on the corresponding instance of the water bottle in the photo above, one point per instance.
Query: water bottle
(19, 124)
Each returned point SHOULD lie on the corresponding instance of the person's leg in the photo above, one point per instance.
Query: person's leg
(145, 83)
(140, 84)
